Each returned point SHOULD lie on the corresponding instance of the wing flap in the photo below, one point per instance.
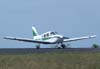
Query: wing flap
(79, 38)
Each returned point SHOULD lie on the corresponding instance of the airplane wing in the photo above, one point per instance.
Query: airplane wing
(79, 38)
(27, 40)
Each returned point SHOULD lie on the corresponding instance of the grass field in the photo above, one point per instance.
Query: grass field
(60, 60)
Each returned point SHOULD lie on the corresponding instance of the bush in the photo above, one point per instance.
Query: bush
(95, 46)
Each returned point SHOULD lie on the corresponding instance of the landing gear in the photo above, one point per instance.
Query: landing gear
(59, 46)
(37, 46)
(63, 46)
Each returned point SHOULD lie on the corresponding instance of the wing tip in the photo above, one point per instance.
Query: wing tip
(93, 36)
(4, 37)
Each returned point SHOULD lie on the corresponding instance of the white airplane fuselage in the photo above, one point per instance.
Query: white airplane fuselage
(53, 39)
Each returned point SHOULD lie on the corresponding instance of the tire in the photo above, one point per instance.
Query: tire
(37, 47)
(63, 46)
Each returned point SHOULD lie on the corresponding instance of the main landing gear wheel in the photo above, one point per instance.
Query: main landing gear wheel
(37, 47)
(63, 46)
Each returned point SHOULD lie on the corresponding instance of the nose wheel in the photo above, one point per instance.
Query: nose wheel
(61, 46)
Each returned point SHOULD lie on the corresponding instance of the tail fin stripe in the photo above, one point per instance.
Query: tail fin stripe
(34, 31)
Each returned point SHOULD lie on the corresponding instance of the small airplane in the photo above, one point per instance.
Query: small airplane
(50, 37)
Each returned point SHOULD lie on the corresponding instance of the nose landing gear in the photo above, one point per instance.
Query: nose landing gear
(61, 46)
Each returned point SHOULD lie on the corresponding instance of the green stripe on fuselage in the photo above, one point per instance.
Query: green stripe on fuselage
(46, 38)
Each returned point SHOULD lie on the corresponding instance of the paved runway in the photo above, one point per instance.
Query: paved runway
(45, 50)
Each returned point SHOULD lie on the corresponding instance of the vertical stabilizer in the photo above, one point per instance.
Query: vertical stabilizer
(34, 31)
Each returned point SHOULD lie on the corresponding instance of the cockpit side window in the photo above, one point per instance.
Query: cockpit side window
(46, 35)
(49, 33)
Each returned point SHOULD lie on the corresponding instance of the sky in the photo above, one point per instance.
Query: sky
(71, 18)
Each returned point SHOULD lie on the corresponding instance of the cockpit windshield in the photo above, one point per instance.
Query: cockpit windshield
(53, 33)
